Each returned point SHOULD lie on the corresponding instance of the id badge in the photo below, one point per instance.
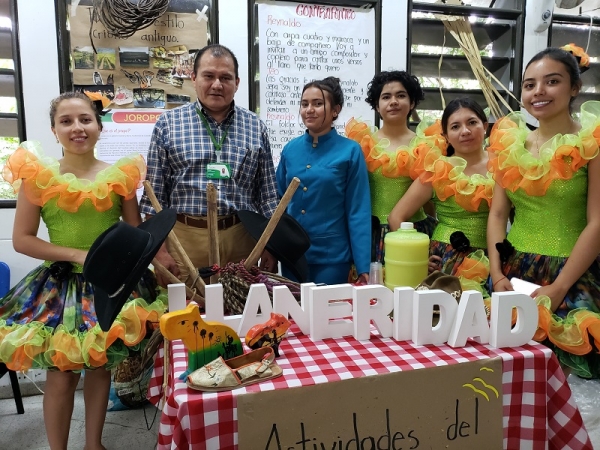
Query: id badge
(218, 171)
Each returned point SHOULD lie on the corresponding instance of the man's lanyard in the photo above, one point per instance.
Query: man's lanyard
(218, 145)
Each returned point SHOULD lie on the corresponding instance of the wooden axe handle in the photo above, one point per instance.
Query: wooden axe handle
(213, 233)
(273, 221)
(173, 279)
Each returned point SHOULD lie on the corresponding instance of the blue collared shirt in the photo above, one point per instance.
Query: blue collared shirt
(333, 201)
(181, 148)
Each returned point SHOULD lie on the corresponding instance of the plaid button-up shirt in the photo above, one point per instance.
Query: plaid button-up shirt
(181, 148)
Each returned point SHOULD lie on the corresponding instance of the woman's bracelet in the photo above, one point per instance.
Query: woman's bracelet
(494, 285)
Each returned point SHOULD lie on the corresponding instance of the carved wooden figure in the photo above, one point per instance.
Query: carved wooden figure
(268, 334)
(204, 341)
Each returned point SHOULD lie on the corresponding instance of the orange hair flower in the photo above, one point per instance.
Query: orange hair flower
(582, 57)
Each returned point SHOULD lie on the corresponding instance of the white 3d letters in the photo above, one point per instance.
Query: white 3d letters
(423, 303)
(344, 310)
(403, 313)
(326, 318)
(258, 296)
(285, 303)
(363, 312)
(471, 321)
(501, 334)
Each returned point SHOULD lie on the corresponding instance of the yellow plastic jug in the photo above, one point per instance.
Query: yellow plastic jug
(406, 257)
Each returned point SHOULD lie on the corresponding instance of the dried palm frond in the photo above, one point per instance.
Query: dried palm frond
(460, 29)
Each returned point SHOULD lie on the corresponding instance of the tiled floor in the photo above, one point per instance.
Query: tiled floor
(123, 429)
(127, 429)
(587, 396)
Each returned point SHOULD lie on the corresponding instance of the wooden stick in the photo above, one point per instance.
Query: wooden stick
(273, 221)
(213, 230)
(173, 279)
(166, 363)
(172, 238)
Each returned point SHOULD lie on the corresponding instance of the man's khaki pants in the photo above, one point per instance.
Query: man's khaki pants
(235, 244)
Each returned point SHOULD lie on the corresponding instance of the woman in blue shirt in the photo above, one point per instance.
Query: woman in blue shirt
(332, 202)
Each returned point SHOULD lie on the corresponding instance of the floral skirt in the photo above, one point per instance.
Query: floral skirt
(471, 266)
(48, 321)
(573, 330)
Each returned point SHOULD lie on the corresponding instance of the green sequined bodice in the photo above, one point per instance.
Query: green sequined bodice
(75, 210)
(451, 217)
(386, 192)
(550, 224)
(79, 229)
(549, 191)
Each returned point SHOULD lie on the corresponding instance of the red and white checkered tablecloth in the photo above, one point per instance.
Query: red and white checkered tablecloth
(539, 411)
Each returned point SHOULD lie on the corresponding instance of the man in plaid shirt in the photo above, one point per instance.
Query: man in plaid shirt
(211, 140)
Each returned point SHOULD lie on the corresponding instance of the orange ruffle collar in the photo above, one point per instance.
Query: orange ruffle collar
(447, 176)
(514, 167)
(41, 178)
(396, 162)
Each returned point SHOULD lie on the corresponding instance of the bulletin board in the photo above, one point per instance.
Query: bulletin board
(150, 69)
(301, 42)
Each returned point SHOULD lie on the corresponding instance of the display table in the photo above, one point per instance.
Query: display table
(539, 411)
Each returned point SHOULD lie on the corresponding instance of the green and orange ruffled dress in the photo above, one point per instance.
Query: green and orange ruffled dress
(47, 320)
(391, 172)
(462, 203)
(549, 194)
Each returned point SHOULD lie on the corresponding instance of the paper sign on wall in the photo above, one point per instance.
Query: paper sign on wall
(126, 131)
(301, 42)
(452, 407)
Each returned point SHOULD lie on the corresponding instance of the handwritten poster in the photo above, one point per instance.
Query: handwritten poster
(301, 42)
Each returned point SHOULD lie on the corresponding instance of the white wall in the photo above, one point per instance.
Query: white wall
(534, 41)
(39, 64)
(39, 59)
(394, 34)
(233, 33)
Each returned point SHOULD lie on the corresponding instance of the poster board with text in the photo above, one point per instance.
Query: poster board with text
(126, 132)
(302, 42)
(449, 407)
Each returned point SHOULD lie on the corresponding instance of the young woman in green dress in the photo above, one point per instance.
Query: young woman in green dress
(461, 189)
(48, 320)
(551, 176)
(391, 151)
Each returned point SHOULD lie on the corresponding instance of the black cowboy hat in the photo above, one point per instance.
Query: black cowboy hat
(118, 258)
(288, 243)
